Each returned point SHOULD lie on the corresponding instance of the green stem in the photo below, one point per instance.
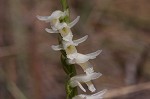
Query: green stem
(68, 68)
(64, 4)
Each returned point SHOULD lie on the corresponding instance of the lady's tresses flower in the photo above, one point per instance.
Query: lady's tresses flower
(65, 44)
(82, 58)
(55, 21)
(87, 67)
(98, 95)
(64, 30)
(58, 25)
(84, 78)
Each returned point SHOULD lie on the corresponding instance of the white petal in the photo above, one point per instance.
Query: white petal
(78, 41)
(94, 54)
(50, 30)
(89, 70)
(43, 18)
(94, 75)
(91, 86)
(71, 61)
(81, 58)
(68, 37)
(56, 47)
(81, 87)
(65, 32)
(79, 97)
(60, 25)
(98, 95)
(72, 56)
(87, 67)
(67, 44)
(57, 14)
(84, 79)
(74, 22)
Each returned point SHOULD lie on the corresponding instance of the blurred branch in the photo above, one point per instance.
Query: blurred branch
(127, 90)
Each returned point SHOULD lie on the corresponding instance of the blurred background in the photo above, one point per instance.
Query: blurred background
(30, 69)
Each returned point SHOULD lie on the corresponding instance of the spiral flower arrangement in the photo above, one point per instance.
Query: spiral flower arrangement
(60, 25)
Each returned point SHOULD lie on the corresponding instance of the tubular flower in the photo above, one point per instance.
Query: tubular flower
(58, 25)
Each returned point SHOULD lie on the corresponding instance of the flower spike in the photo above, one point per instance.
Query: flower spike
(58, 24)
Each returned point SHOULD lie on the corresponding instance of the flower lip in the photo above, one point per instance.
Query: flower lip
(84, 78)
(81, 58)
(98, 95)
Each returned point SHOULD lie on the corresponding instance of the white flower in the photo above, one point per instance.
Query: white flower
(84, 78)
(98, 95)
(70, 49)
(65, 44)
(87, 67)
(66, 32)
(58, 25)
(64, 29)
(53, 19)
(81, 58)
(74, 42)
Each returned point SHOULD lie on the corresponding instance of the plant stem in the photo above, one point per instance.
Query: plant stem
(64, 4)
(68, 68)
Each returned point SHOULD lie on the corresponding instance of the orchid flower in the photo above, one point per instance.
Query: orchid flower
(98, 95)
(64, 30)
(60, 25)
(81, 58)
(87, 67)
(55, 21)
(84, 78)
(65, 44)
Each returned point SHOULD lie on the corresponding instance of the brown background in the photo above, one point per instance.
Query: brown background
(30, 69)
